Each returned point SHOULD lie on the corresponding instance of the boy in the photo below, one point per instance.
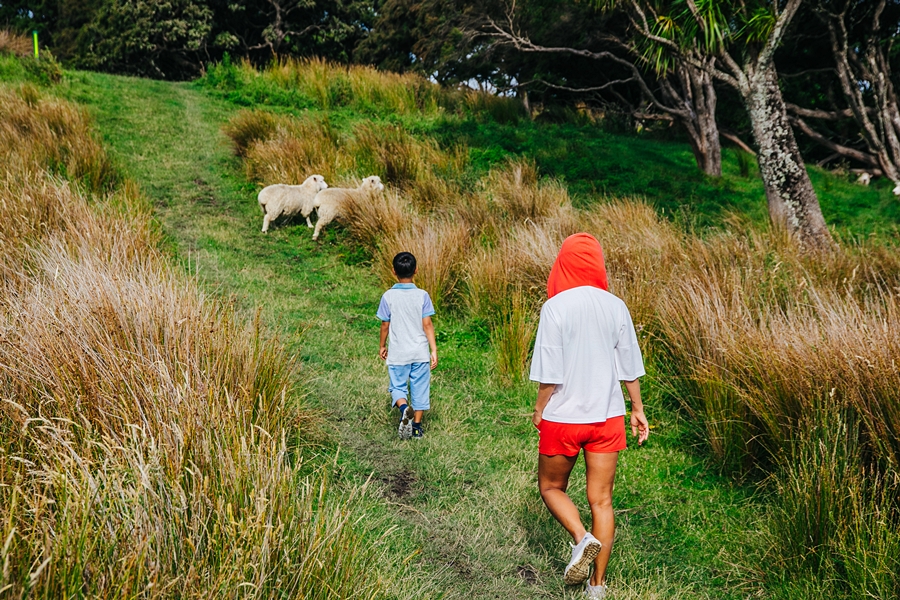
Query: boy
(405, 312)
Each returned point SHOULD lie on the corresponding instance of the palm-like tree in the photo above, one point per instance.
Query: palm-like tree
(735, 42)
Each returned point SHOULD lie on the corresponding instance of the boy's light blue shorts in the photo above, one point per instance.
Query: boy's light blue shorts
(417, 377)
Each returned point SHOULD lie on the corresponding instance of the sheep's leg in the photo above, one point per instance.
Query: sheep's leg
(322, 222)
(266, 220)
(306, 214)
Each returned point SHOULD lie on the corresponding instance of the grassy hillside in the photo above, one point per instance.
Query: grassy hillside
(591, 161)
(781, 359)
(458, 515)
(462, 513)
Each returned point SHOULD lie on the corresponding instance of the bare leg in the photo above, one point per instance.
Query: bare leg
(418, 416)
(553, 479)
(601, 475)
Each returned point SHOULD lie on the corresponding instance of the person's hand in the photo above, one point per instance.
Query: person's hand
(433, 359)
(639, 426)
(382, 353)
(536, 420)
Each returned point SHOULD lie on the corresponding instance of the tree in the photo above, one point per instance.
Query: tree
(174, 39)
(676, 89)
(860, 42)
(161, 39)
(741, 37)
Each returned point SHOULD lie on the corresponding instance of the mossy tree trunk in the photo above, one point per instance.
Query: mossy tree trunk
(698, 100)
(792, 201)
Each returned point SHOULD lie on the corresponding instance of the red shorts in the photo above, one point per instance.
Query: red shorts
(569, 438)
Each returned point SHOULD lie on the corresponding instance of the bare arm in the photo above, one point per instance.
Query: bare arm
(428, 326)
(382, 347)
(639, 425)
(545, 390)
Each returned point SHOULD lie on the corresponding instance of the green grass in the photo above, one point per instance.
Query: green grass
(458, 513)
(593, 162)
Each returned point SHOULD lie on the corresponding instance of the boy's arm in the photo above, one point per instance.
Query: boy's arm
(382, 347)
(428, 326)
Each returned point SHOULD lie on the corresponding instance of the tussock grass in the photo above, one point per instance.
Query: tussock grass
(315, 83)
(293, 150)
(285, 150)
(53, 134)
(250, 126)
(374, 217)
(439, 247)
(14, 43)
(400, 159)
(513, 337)
(518, 195)
(150, 440)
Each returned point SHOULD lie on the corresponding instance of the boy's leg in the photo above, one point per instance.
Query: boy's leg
(399, 376)
(420, 388)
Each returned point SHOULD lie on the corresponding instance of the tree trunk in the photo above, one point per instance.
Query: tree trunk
(703, 131)
(789, 192)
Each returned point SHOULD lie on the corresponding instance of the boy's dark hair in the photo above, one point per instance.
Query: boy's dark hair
(404, 265)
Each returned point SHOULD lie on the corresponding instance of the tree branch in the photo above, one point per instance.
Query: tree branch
(574, 89)
(781, 24)
(825, 115)
(524, 44)
(846, 151)
(737, 142)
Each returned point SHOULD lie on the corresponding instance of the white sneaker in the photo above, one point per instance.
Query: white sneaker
(594, 592)
(579, 568)
(404, 430)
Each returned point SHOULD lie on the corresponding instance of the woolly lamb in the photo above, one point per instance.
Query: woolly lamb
(896, 189)
(864, 178)
(289, 200)
(329, 203)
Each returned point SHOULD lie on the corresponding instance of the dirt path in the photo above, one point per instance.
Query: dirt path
(458, 512)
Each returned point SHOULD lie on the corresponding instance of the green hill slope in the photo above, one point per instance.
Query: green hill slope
(458, 515)
(592, 162)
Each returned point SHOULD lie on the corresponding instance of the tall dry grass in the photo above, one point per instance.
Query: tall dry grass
(439, 247)
(150, 443)
(54, 134)
(14, 43)
(287, 150)
(313, 82)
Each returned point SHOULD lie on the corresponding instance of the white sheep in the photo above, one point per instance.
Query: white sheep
(329, 203)
(896, 189)
(289, 200)
(864, 178)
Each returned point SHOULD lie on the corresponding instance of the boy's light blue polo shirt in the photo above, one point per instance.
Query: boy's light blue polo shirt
(404, 306)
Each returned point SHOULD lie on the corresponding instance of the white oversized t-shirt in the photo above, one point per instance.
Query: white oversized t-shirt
(586, 344)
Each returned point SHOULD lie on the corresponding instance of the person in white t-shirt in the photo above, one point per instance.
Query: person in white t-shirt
(586, 344)
(408, 345)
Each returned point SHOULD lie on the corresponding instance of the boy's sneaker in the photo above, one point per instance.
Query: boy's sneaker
(579, 568)
(417, 431)
(594, 592)
(406, 422)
